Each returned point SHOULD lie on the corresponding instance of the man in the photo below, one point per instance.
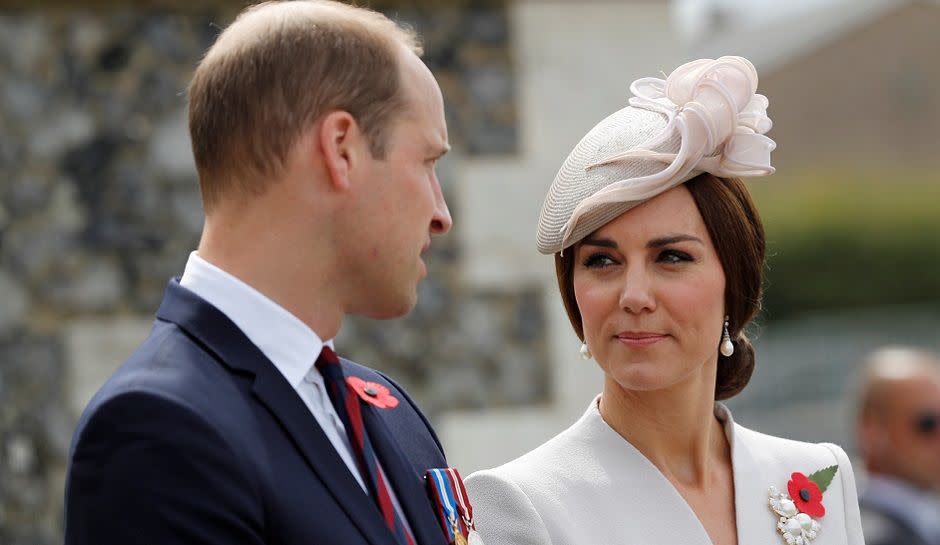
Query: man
(899, 440)
(315, 129)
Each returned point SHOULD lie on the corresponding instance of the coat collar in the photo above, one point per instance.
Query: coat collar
(232, 348)
(755, 522)
(753, 517)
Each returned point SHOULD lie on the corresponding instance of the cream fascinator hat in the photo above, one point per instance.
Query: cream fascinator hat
(704, 117)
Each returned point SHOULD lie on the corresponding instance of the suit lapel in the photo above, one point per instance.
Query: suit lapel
(217, 333)
(405, 480)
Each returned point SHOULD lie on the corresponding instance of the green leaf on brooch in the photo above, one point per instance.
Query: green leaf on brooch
(823, 477)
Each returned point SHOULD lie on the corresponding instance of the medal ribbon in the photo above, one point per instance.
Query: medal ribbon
(463, 500)
(445, 499)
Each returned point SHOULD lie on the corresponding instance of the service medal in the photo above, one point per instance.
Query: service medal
(452, 505)
(458, 536)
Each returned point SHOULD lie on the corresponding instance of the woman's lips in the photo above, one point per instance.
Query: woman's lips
(637, 339)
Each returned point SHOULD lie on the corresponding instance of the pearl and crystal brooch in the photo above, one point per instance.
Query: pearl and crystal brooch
(804, 502)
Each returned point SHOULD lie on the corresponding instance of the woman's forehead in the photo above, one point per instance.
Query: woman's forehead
(673, 212)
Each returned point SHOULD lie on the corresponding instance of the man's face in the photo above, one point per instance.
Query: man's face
(911, 431)
(401, 203)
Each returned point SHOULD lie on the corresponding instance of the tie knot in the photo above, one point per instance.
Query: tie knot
(327, 357)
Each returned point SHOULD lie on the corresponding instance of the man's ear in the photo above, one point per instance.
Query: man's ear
(872, 437)
(340, 141)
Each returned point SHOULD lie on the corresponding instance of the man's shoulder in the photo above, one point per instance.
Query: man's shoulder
(169, 368)
(168, 362)
(883, 528)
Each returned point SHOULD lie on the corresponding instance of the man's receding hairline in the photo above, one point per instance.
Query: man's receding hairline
(262, 18)
(887, 367)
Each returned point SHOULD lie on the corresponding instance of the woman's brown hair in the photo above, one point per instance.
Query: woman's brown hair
(738, 236)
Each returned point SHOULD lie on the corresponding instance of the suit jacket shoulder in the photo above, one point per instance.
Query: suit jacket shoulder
(587, 485)
(882, 528)
(197, 438)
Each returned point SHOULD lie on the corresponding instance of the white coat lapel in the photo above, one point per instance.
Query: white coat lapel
(755, 521)
(759, 462)
(644, 491)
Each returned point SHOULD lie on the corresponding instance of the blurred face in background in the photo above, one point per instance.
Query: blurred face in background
(901, 435)
(650, 289)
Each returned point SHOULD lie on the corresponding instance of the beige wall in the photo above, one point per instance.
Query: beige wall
(871, 96)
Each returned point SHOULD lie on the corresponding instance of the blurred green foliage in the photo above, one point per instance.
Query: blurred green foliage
(850, 238)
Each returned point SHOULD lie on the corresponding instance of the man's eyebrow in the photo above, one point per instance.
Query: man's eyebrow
(672, 239)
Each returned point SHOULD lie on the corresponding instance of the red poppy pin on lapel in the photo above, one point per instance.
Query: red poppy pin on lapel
(373, 393)
(804, 502)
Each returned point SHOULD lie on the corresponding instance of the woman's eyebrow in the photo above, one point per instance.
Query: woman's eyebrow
(602, 242)
(672, 239)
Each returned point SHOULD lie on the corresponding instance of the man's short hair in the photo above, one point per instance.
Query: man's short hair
(276, 70)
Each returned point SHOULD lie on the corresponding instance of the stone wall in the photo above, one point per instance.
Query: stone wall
(99, 207)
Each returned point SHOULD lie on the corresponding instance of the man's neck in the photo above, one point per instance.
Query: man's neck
(263, 259)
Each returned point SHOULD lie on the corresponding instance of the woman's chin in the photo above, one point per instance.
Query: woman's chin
(643, 376)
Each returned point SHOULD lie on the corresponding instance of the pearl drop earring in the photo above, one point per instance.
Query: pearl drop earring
(727, 347)
(585, 351)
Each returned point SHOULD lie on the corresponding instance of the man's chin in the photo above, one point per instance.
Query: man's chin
(392, 309)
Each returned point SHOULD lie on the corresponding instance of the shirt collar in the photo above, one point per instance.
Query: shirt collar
(290, 345)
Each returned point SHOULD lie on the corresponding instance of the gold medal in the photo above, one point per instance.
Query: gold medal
(458, 537)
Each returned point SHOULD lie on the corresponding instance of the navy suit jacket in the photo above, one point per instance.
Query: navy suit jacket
(198, 438)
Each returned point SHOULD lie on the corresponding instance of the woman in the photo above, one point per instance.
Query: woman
(659, 255)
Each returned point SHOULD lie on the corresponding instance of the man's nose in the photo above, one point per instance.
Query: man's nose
(441, 222)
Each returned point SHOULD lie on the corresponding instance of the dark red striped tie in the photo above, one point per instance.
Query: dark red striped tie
(346, 402)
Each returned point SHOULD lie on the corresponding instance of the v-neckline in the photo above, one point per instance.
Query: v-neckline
(738, 484)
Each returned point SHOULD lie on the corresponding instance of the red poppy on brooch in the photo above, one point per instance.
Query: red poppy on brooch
(796, 510)
(373, 393)
(806, 495)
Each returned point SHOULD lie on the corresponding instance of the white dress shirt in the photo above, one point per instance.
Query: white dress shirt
(290, 345)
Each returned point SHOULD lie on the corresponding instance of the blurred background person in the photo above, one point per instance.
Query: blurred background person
(899, 442)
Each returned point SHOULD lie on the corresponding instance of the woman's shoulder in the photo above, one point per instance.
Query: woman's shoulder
(552, 458)
(774, 450)
(762, 461)
(545, 495)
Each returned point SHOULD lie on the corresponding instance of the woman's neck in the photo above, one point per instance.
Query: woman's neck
(675, 428)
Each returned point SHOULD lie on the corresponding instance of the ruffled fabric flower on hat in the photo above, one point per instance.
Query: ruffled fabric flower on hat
(712, 105)
(796, 510)
(372, 393)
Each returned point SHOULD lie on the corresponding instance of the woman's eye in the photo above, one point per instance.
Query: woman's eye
(598, 260)
(674, 256)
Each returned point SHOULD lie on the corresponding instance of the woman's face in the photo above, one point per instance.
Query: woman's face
(650, 288)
